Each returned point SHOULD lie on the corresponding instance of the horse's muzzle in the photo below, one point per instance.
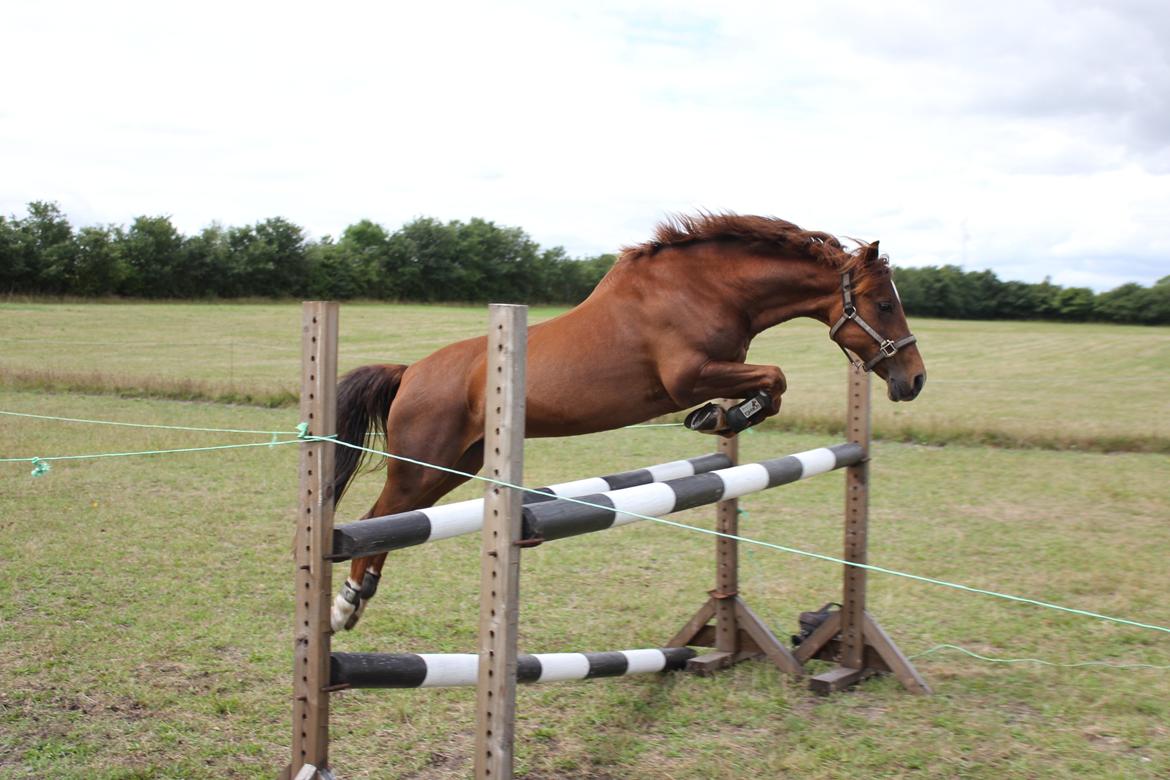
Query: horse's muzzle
(902, 390)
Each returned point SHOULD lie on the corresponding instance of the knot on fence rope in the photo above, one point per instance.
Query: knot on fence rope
(40, 467)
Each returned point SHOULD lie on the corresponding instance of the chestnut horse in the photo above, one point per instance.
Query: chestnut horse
(667, 328)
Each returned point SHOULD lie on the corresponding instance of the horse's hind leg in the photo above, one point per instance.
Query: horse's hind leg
(365, 573)
(407, 487)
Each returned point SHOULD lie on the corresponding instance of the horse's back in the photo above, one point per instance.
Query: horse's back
(587, 370)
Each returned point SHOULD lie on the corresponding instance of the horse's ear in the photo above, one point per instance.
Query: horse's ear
(870, 253)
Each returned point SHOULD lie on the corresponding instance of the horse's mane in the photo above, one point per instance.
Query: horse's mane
(766, 234)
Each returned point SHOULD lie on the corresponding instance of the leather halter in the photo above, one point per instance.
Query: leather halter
(886, 347)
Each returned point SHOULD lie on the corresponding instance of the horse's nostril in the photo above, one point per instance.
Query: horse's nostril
(919, 381)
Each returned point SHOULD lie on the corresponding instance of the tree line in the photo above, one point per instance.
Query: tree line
(952, 293)
(424, 260)
(430, 261)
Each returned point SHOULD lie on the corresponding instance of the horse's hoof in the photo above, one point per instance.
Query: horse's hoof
(707, 419)
(356, 616)
(345, 606)
(340, 615)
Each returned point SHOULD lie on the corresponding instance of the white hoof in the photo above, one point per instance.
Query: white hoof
(340, 614)
(343, 611)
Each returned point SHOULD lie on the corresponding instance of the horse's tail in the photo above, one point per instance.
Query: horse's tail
(363, 402)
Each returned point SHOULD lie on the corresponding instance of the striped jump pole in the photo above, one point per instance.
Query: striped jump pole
(559, 519)
(448, 670)
(406, 529)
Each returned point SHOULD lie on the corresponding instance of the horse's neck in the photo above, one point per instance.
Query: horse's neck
(732, 283)
(772, 290)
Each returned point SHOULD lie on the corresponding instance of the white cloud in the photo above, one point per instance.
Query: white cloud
(1033, 137)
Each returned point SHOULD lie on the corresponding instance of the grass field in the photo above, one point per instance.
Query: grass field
(1093, 387)
(145, 604)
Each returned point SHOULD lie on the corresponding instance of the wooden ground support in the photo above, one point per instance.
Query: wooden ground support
(314, 536)
(851, 637)
(500, 558)
(737, 634)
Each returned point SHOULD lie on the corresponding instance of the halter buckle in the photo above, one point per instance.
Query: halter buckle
(888, 348)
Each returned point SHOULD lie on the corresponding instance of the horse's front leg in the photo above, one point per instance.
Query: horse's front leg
(759, 386)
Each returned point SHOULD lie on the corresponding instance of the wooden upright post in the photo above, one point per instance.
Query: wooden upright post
(738, 634)
(313, 541)
(851, 637)
(726, 562)
(500, 564)
(856, 522)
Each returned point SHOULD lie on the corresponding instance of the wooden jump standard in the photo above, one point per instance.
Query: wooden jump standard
(850, 637)
(314, 572)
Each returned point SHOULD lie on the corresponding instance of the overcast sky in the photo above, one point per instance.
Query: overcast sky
(1028, 137)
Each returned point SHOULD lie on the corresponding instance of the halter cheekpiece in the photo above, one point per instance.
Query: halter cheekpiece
(886, 347)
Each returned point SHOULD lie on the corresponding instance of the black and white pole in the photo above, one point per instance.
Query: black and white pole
(406, 529)
(446, 670)
(499, 602)
(559, 519)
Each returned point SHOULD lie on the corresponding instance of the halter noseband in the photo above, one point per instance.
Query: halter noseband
(886, 347)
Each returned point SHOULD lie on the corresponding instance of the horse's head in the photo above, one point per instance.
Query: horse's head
(871, 325)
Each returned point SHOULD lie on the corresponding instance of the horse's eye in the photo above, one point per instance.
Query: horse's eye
(885, 306)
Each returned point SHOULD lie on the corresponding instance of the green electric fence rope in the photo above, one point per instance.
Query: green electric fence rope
(41, 465)
(138, 425)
